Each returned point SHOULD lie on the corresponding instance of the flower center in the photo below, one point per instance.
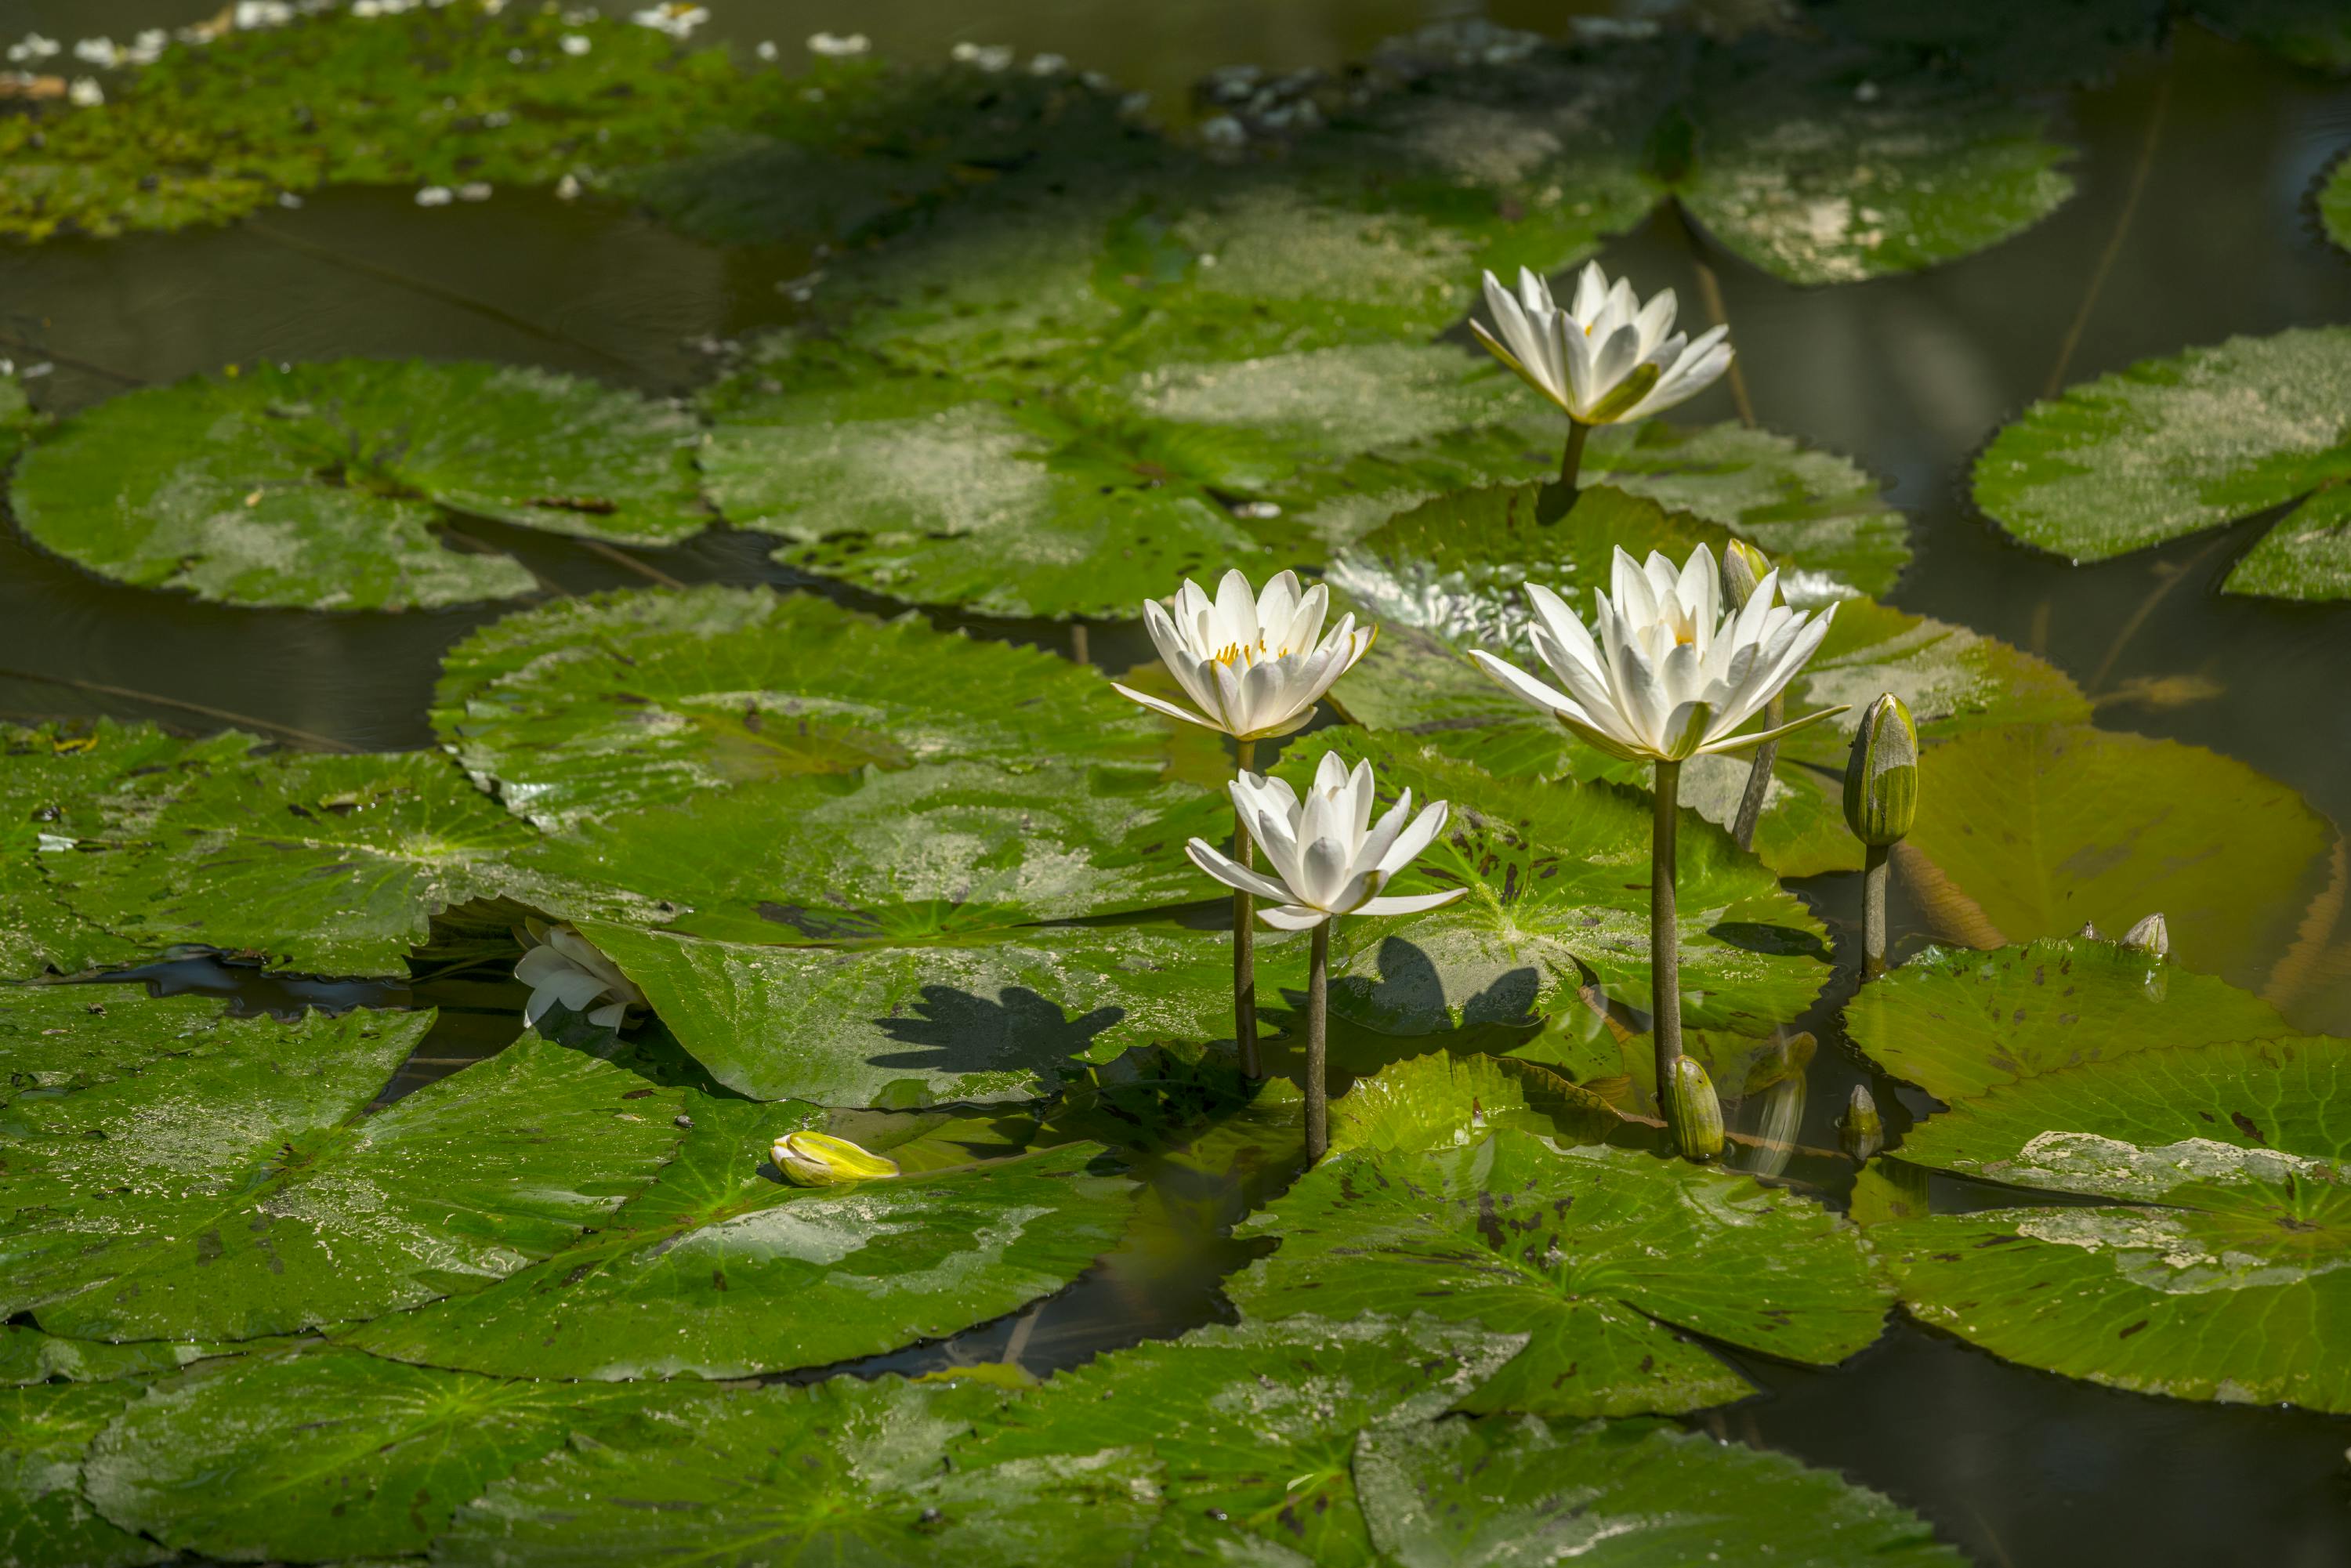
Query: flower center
(1244, 656)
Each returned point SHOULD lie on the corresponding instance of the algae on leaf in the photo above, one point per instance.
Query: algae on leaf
(332, 485)
(55, 1039)
(2173, 446)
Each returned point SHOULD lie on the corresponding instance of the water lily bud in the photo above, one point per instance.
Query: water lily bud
(1881, 780)
(1861, 1130)
(1696, 1111)
(2151, 935)
(819, 1159)
(1743, 569)
(2090, 932)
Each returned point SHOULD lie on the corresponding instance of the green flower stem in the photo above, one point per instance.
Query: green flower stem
(1872, 908)
(1245, 938)
(1318, 1029)
(1571, 462)
(1665, 944)
(1759, 777)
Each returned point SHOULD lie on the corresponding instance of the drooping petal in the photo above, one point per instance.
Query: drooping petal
(1170, 709)
(1291, 917)
(1234, 874)
(1519, 683)
(1731, 743)
(610, 1017)
(1529, 373)
(574, 988)
(1412, 903)
(541, 964)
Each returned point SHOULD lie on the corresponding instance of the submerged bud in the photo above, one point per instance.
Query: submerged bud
(2150, 935)
(1881, 780)
(1743, 569)
(1860, 1129)
(819, 1159)
(1695, 1111)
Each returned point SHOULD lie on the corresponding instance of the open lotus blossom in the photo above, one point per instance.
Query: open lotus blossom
(564, 966)
(1673, 675)
(1609, 358)
(1256, 663)
(1330, 857)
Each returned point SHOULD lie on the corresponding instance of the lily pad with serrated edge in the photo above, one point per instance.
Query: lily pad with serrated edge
(2216, 1269)
(844, 1471)
(1585, 1249)
(612, 702)
(1958, 1023)
(44, 1431)
(229, 1195)
(1558, 880)
(319, 1453)
(2173, 446)
(721, 1269)
(328, 864)
(330, 486)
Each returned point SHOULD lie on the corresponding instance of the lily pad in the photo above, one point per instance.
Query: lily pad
(843, 1471)
(18, 421)
(2335, 203)
(2218, 1269)
(2172, 446)
(28, 1356)
(44, 1518)
(721, 1269)
(229, 1195)
(1255, 1427)
(328, 864)
(333, 487)
(1957, 1023)
(1626, 1494)
(2044, 829)
(607, 703)
(1004, 1014)
(1558, 900)
(326, 1453)
(56, 1039)
(1586, 1249)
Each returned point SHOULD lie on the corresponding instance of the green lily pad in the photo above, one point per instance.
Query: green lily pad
(27, 1356)
(1255, 1427)
(720, 1270)
(1004, 1015)
(44, 1518)
(1958, 1023)
(19, 421)
(229, 1195)
(2172, 446)
(56, 1039)
(2044, 829)
(2311, 33)
(607, 703)
(326, 1453)
(2218, 1270)
(328, 864)
(331, 486)
(2335, 203)
(1558, 900)
(843, 1471)
(1586, 1249)
(1627, 1494)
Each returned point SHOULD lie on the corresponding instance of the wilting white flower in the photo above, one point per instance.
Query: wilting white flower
(435, 196)
(564, 966)
(1608, 360)
(1672, 674)
(1048, 65)
(676, 17)
(987, 56)
(1330, 857)
(99, 52)
(1256, 663)
(819, 1159)
(33, 46)
(85, 93)
(575, 44)
(148, 47)
(834, 45)
(262, 14)
(568, 188)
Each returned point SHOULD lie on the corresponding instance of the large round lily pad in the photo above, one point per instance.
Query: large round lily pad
(44, 1518)
(55, 1038)
(230, 1194)
(843, 1471)
(331, 486)
(604, 703)
(1586, 1249)
(1957, 1023)
(2220, 1267)
(721, 1269)
(2173, 446)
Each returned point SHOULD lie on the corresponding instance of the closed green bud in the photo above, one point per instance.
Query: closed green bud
(1881, 777)
(819, 1159)
(1744, 568)
(2151, 935)
(1695, 1110)
(1861, 1130)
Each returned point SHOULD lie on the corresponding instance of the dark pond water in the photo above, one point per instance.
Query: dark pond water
(2210, 155)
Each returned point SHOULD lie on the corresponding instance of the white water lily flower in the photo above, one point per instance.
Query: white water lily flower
(1256, 663)
(1330, 857)
(564, 966)
(675, 17)
(1607, 360)
(1672, 674)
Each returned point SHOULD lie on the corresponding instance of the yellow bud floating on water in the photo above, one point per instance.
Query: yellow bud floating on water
(1861, 1129)
(1695, 1111)
(1881, 803)
(819, 1159)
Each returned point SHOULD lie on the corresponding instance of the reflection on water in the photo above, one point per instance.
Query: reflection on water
(1910, 376)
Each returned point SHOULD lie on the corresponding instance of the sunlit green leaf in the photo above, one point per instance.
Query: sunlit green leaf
(54, 1039)
(44, 1518)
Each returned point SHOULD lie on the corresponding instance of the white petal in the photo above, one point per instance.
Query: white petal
(1293, 917)
(1170, 709)
(1234, 874)
(1412, 903)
